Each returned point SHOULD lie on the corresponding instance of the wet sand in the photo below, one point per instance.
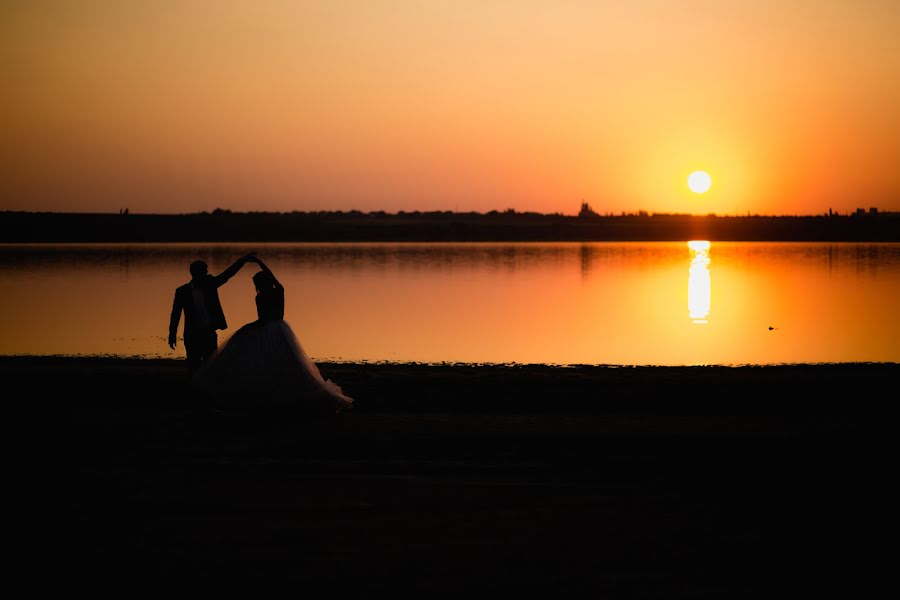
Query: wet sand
(638, 482)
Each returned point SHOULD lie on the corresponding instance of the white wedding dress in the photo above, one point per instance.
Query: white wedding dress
(264, 364)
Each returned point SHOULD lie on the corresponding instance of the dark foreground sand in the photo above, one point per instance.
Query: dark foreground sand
(446, 480)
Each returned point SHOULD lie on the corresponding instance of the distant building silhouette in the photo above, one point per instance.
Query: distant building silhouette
(586, 211)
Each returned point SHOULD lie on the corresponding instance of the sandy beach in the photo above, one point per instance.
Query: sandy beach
(628, 481)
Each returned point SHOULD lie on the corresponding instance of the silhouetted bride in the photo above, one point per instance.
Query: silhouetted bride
(263, 361)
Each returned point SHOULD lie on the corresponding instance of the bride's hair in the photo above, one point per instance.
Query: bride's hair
(263, 280)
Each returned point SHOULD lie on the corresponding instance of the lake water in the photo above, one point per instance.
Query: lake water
(565, 303)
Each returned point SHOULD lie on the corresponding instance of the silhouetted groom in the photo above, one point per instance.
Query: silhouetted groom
(199, 299)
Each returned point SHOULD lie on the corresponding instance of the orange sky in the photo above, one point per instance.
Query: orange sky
(792, 107)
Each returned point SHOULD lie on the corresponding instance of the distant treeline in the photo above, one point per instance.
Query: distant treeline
(355, 226)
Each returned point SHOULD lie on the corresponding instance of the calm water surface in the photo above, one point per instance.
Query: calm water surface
(600, 303)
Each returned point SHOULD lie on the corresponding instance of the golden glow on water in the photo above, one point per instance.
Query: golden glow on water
(699, 289)
(585, 303)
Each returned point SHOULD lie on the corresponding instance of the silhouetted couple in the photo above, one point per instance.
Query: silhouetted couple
(262, 361)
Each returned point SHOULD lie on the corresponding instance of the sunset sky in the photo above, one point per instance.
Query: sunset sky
(792, 106)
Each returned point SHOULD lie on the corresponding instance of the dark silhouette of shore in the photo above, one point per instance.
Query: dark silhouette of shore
(704, 482)
(355, 226)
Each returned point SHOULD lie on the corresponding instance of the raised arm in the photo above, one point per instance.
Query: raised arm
(263, 266)
(231, 271)
(173, 321)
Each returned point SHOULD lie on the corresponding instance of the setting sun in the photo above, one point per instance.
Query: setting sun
(699, 181)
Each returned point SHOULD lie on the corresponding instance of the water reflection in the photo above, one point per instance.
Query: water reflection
(589, 302)
(699, 292)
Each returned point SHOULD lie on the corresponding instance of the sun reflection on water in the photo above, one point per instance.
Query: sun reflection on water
(699, 292)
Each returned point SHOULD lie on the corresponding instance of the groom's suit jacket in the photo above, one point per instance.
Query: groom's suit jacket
(184, 301)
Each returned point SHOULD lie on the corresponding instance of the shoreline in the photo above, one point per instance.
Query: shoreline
(168, 361)
(807, 390)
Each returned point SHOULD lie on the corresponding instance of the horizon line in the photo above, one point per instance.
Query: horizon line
(640, 213)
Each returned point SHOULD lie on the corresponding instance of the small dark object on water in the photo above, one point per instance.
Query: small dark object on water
(771, 328)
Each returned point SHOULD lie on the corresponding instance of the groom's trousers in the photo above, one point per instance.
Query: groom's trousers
(199, 344)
